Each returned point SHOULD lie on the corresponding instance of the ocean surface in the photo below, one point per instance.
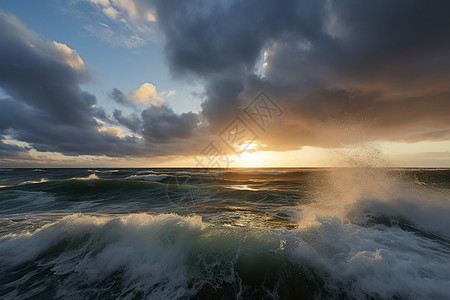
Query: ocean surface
(356, 233)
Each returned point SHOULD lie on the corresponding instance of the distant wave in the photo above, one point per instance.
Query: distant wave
(104, 171)
(148, 177)
(90, 177)
(147, 172)
(186, 173)
(34, 181)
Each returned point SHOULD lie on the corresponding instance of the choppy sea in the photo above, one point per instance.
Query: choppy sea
(345, 233)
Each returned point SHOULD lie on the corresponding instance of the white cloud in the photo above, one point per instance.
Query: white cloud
(67, 55)
(147, 94)
(128, 6)
(133, 12)
(111, 12)
(112, 130)
(125, 8)
(100, 2)
(130, 24)
(104, 32)
(151, 16)
(168, 93)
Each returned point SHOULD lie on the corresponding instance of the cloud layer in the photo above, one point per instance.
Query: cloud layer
(45, 106)
(46, 109)
(381, 65)
(343, 71)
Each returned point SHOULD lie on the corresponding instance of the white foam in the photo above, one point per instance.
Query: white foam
(148, 177)
(375, 262)
(378, 261)
(151, 251)
(34, 181)
(210, 174)
(147, 172)
(160, 255)
(90, 177)
(104, 171)
(357, 193)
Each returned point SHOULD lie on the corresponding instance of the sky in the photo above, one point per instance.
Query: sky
(231, 83)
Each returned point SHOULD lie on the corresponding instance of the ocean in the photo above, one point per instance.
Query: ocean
(342, 233)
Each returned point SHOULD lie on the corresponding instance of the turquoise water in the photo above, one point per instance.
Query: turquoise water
(357, 233)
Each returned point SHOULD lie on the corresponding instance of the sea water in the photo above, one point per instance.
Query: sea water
(346, 233)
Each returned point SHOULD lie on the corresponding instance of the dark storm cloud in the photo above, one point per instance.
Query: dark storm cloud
(11, 151)
(206, 38)
(119, 97)
(46, 133)
(33, 72)
(343, 71)
(222, 99)
(385, 63)
(161, 123)
(47, 108)
(155, 123)
(132, 122)
(382, 64)
(222, 42)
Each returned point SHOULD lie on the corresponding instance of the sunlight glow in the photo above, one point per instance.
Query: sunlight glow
(247, 146)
